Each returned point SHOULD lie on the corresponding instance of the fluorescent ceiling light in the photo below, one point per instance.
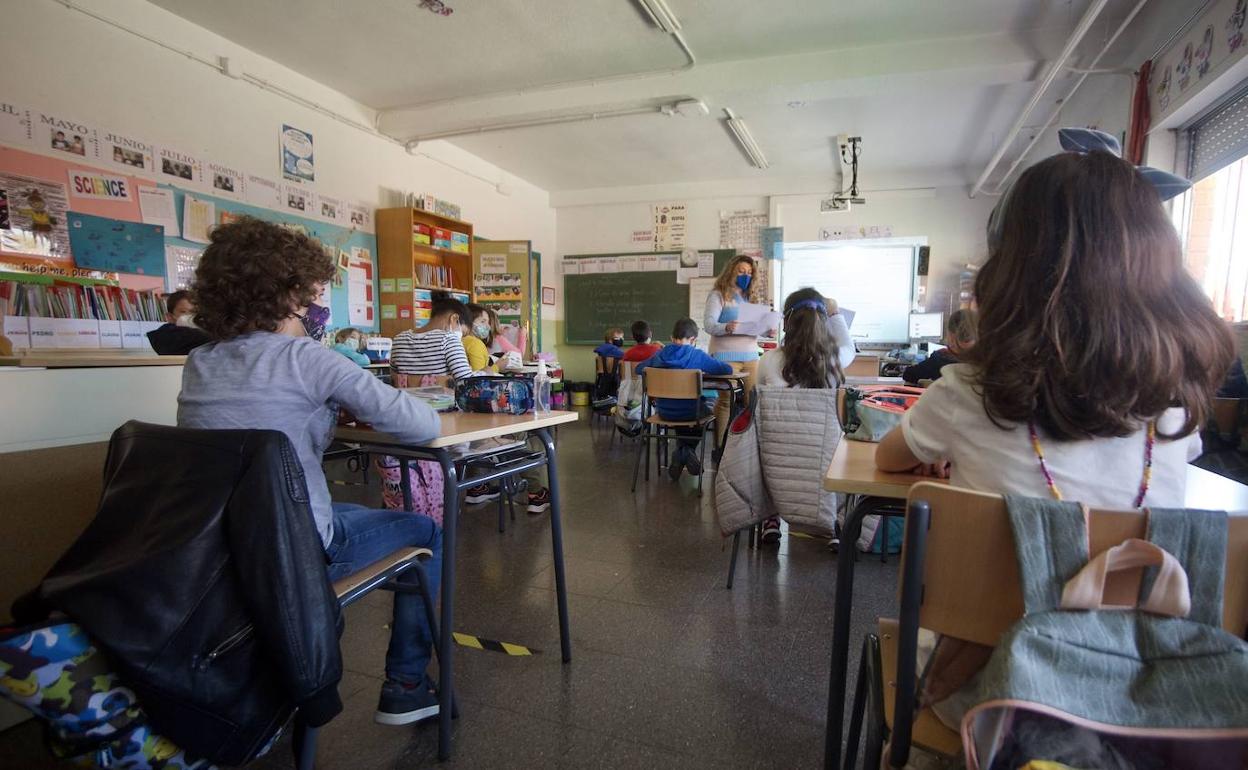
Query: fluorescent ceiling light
(661, 15)
(745, 139)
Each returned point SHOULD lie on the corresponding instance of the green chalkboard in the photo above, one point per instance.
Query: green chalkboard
(597, 301)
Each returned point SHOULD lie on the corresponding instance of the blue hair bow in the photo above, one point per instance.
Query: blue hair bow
(1088, 139)
(808, 304)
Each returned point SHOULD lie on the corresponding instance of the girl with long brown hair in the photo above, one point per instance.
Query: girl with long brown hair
(816, 346)
(1097, 357)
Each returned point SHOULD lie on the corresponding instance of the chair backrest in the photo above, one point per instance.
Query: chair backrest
(672, 383)
(971, 586)
(626, 370)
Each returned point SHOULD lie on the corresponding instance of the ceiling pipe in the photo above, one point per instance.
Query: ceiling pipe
(1091, 69)
(1054, 69)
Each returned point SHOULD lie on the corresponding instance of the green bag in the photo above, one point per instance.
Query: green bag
(1155, 685)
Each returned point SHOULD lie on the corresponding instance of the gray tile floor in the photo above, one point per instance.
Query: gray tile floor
(669, 669)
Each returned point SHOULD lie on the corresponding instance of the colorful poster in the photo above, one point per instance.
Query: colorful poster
(93, 184)
(299, 200)
(15, 125)
(65, 136)
(226, 182)
(298, 164)
(114, 245)
(331, 209)
(127, 153)
(360, 288)
(180, 167)
(37, 210)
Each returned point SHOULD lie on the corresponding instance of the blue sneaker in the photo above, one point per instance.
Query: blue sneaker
(403, 704)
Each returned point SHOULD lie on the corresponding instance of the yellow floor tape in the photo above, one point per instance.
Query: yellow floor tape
(478, 643)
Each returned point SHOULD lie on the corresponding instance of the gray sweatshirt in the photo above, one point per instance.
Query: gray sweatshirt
(295, 385)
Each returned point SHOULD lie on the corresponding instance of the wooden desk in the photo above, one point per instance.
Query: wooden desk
(461, 428)
(853, 471)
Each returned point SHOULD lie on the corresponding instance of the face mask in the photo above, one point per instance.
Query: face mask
(314, 321)
(480, 331)
(186, 319)
(618, 342)
(743, 282)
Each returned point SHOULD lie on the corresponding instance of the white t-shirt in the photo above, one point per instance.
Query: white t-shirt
(949, 423)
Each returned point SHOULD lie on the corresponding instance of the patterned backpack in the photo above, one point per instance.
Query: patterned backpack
(57, 673)
(1156, 685)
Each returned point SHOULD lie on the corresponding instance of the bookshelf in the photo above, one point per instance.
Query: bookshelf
(409, 269)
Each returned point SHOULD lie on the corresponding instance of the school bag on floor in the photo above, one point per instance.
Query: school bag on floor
(871, 411)
(606, 385)
(1156, 685)
(628, 407)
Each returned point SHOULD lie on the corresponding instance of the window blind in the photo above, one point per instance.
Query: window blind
(1220, 138)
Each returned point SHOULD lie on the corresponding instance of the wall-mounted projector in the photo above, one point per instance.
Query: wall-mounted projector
(850, 148)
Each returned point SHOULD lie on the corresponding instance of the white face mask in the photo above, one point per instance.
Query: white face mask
(186, 319)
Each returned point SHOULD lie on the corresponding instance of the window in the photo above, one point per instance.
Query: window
(1212, 217)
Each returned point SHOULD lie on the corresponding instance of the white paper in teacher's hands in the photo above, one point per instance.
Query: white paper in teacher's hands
(757, 320)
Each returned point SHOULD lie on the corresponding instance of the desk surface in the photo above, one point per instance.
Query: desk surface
(462, 427)
(728, 376)
(853, 471)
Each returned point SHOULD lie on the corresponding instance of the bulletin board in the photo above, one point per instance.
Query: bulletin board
(338, 237)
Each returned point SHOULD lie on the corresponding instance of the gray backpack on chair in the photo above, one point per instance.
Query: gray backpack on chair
(1077, 682)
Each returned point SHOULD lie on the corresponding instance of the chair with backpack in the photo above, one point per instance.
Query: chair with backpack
(1091, 660)
(606, 385)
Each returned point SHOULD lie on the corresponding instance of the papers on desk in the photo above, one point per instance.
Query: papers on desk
(848, 315)
(756, 320)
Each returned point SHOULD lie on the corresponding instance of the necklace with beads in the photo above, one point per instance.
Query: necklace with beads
(1052, 485)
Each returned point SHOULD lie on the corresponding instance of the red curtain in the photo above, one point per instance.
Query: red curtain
(1141, 120)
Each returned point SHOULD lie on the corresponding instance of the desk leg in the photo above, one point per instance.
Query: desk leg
(450, 520)
(556, 535)
(841, 616)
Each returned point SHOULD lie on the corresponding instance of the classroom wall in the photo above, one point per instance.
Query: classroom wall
(72, 64)
(952, 222)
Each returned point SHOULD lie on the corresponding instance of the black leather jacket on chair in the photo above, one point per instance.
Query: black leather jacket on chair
(203, 577)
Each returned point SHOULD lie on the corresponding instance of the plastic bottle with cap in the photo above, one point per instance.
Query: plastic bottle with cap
(541, 390)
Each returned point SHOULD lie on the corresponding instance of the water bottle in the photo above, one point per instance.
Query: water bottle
(541, 390)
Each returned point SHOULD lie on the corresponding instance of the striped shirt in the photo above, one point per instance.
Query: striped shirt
(434, 352)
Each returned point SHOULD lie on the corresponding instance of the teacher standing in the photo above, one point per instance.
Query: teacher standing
(734, 285)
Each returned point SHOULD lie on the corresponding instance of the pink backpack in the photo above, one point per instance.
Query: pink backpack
(425, 476)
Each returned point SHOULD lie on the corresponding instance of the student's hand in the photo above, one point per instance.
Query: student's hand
(933, 470)
(731, 327)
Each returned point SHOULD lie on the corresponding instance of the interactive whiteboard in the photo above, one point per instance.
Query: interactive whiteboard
(876, 281)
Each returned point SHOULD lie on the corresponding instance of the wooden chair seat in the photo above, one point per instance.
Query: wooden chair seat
(929, 732)
(654, 419)
(346, 585)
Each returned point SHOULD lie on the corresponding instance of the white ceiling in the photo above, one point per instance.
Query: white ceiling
(930, 85)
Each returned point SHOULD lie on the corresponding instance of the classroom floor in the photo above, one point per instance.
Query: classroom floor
(669, 668)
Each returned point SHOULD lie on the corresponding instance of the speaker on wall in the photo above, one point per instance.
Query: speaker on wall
(925, 255)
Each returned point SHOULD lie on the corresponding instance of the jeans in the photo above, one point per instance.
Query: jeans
(363, 536)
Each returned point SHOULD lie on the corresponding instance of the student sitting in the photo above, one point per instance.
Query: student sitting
(477, 339)
(254, 288)
(959, 337)
(437, 348)
(1097, 357)
(498, 343)
(612, 344)
(682, 354)
(179, 335)
(816, 348)
(813, 354)
(347, 342)
(644, 347)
